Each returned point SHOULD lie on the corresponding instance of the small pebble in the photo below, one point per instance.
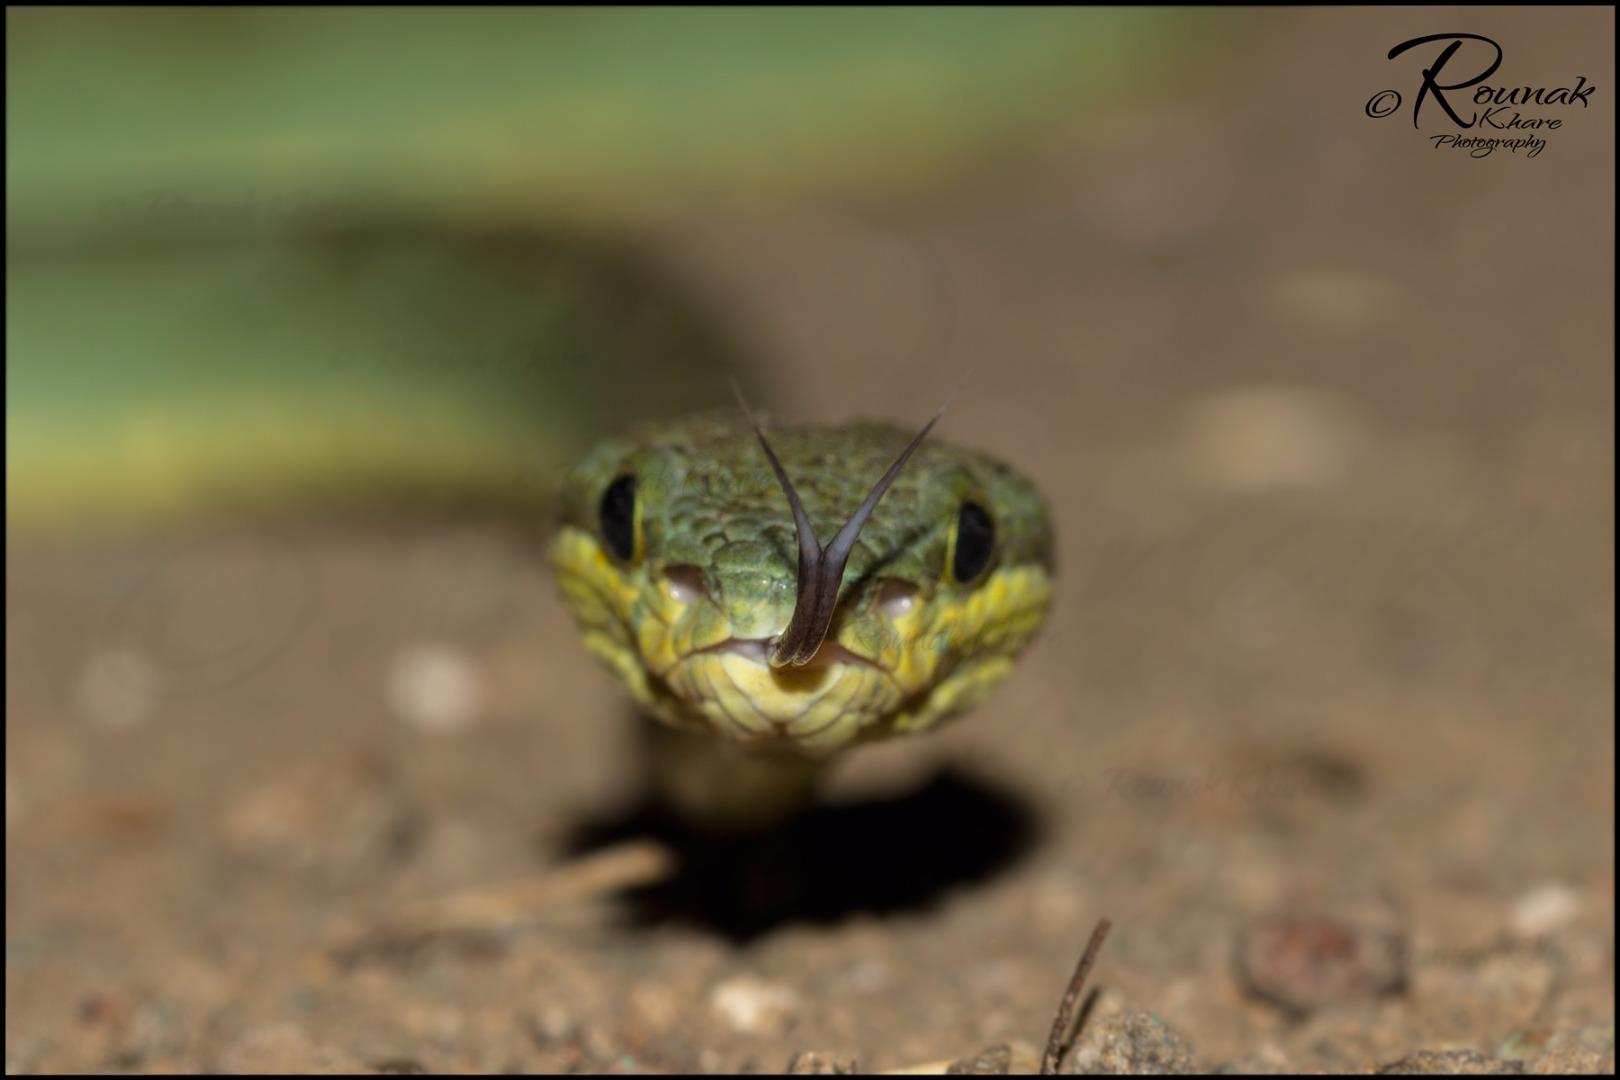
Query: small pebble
(1304, 962)
(117, 689)
(552, 1023)
(1450, 1063)
(1261, 438)
(435, 689)
(1130, 1043)
(1524, 1043)
(656, 1006)
(991, 1061)
(1334, 298)
(284, 1048)
(752, 1006)
(1544, 909)
(1586, 1051)
(1269, 1060)
(868, 976)
(344, 819)
(1504, 990)
(821, 1063)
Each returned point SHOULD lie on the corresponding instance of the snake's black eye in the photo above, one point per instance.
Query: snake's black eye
(617, 516)
(972, 543)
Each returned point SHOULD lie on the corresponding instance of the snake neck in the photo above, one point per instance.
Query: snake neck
(722, 786)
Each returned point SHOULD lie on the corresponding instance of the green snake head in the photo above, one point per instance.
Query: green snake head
(678, 554)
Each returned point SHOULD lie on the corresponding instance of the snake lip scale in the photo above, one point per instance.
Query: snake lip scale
(759, 650)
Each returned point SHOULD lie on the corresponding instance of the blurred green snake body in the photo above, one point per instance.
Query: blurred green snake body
(705, 567)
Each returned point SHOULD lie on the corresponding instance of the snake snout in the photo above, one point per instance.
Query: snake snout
(752, 588)
(686, 583)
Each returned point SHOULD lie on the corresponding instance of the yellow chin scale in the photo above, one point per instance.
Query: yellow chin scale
(819, 708)
(938, 659)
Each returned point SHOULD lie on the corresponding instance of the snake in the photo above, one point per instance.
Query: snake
(771, 601)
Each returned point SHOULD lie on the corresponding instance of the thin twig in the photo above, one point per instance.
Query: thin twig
(625, 865)
(1071, 998)
(622, 866)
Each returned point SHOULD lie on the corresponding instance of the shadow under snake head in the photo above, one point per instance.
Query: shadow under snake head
(688, 552)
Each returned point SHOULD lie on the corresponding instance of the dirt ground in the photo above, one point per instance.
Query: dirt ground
(1322, 720)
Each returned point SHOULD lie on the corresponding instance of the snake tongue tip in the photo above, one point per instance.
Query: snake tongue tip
(780, 660)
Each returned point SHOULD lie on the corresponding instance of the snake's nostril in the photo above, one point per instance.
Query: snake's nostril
(685, 583)
(895, 598)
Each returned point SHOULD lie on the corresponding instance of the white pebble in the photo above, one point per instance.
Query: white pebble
(868, 976)
(1544, 909)
(435, 688)
(1334, 299)
(554, 1022)
(752, 1006)
(1270, 438)
(117, 689)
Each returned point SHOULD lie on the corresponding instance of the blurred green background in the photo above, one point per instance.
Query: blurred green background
(260, 256)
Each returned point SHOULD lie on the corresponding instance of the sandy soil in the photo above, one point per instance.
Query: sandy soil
(1322, 720)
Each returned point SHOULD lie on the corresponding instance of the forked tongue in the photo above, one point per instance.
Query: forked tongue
(821, 569)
